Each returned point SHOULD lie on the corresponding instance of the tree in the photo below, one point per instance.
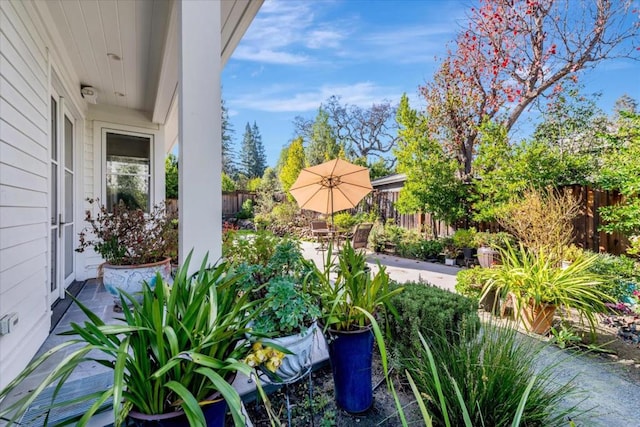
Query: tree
(293, 165)
(227, 183)
(261, 157)
(228, 164)
(171, 176)
(621, 171)
(514, 52)
(367, 133)
(322, 145)
(252, 157)
(431, 184)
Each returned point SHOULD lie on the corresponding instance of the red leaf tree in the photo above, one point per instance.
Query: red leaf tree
(512, 53)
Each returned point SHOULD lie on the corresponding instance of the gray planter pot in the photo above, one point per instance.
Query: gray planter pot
(485, 256)
(297, 364)
(129, 278)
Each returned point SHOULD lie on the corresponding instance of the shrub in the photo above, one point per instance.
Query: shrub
(492, 370)
(471, 281)
(247, 210)
(541, 219)
(620, 275)
(433, 312)
(463, 238)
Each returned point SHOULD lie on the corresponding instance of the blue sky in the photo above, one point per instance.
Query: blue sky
(297, 53)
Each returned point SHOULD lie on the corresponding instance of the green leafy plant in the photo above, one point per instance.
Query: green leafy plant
(489, 378)
(355, 293)
(470, 282)
(534, 278)
(464, 238)
(127, 236)
(174, 350)
(429, 310)
(620, 275)
(564, 337)
(287, 308)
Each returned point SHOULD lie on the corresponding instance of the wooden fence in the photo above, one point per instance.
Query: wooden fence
(586, 225)
(231, 203)
(384, 203)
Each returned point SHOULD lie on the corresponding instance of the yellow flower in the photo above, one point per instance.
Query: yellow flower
(272, 365)
(251, 360)
(257, 346)
(261, 355)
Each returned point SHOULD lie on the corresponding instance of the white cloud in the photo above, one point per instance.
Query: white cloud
(287, 32)
(285, 100)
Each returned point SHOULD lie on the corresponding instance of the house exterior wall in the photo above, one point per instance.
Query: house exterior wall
(24, 186)
(34, 66)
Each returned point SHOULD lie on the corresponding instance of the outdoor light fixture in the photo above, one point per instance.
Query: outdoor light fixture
(89, 93)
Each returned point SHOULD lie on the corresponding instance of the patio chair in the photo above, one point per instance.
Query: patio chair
(320, 230)
(359, 237)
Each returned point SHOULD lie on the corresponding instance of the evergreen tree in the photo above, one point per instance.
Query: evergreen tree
(322, 141)
(252, 157)
(228, 163)
(261, 157)
(171, 176)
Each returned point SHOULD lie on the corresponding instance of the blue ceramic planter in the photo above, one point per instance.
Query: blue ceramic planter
(350, 354)
(214, 414)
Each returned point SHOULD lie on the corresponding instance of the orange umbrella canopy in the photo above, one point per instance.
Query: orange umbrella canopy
(332, 186)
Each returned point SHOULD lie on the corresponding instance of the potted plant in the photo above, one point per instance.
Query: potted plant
(538, 286)
(450, 251)
(172, 357)
(465, 240)
(133, 244)
(569, 254)
(349, 306)
(288, 316)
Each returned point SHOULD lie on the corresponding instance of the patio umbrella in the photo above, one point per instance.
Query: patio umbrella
(332, 186)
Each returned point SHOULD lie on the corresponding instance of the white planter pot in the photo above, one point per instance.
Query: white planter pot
(301, 345)
(449, 261)
(485, 256)
(129, 278)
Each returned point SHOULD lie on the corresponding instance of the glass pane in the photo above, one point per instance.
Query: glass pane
(54, 260)
(128, 170)
(133, 190)
(68, 197)
(54, 129)
(54, 193)
(68, 250)
(68, 144)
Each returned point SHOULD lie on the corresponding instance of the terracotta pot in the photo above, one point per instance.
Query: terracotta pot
(538, 318)
(129, 278)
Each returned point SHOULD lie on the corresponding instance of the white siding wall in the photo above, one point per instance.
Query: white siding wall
(24, 170)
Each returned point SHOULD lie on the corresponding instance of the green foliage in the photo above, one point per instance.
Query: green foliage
(253, 159)
(419, 248)
(464, 238)
(227, 183)
(276, 271)
(322, 145)
(228, 164)
(171, 176)
(247, 210)
(619, 275)
(621, 171)
(293, 165)
(487, 378)
(493, 240)
(534, 277)
(432, 311)
(349, 302)
(506, 171)
(379, 169)
(470, 282)
(254, 183)
(432, 183)
(286, 309)
(161, 362)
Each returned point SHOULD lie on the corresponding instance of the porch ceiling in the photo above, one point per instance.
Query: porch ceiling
(143, 34)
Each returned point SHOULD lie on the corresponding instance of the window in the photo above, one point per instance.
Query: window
(128, 176)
